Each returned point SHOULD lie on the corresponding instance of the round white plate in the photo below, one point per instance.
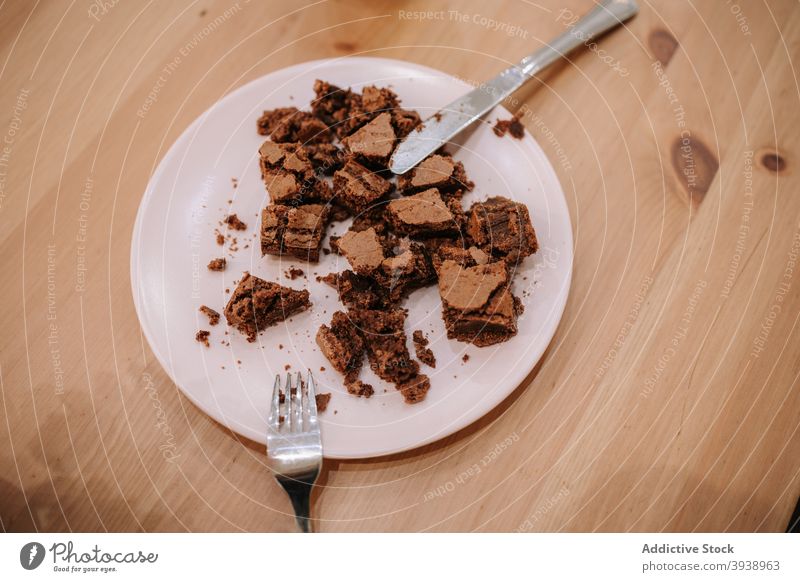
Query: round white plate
(232, 381)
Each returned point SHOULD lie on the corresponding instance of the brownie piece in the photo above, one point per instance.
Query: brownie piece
(374, 142)
(213, 315)
(375, 100)
(363, 250)
(374, 218)
(322, 401)
(356, 291)
(409, 269)
(217, 264)
(289, 175)
(425, 214)
(415, 389)
(360, 389)
(477, 304)
(342, 344)
(511, 126)
(326, 158)
(234, 223)
(466, 257)
(502, 228)
(202, 337)
(335, 107)
(357, 188)
(405, 121)
(424, 353)
(257, 304)
(437, 171)
(293, 230)
(288, 124)
(385, 342)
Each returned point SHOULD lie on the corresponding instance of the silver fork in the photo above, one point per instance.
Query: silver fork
(294, 446)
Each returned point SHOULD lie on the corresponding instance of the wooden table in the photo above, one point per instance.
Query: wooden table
(668, 399)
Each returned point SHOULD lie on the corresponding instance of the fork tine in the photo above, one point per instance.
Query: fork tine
(275, 410)
(297, 405)
(311, 394)
(287, 415)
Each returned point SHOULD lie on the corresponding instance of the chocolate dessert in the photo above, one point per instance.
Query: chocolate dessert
(363, 250)
(385, 341)
(289, 175)
(257, 304)
(322, 401)
(358, 188)
(477, 304)
(202, 337)
(374, 142)
(511, 126)
(415, 389)
(288, 124)
(410, 268)
(234, 223)
(213, 315)
(342, 344)
(437, 171)
(359, 388)
(502, 228)
(356, 291)
(423, 352)
(217, 264)
(336, 107)
(425, 214)
(326, 158)
(293, 230)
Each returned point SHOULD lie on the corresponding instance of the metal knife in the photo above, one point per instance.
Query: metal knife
(441, 127)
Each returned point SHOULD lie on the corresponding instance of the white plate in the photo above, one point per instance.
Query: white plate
(173, 241)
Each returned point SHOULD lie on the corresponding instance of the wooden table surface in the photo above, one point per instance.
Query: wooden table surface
(668, 399)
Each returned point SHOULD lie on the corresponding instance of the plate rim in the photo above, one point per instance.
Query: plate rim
(516, 378)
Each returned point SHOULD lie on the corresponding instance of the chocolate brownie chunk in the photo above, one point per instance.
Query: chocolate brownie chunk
(437, 171)
(425, 214)
(217, 264)
(359, 388)
(410, 268)
(511, 126)
(415, 389)
(385, 341)
(374, 142)
(502, 228)
(356, 291)
(289, 175)
(363, 250)
(424, 353)
(326, 158)
(202, 337)
(322, 401)
(405, 121)
(375, 100)
(288, 124)
(234, 223)
(293, 230)
(257, 304)
(213, 315)
(357, 188)
(342, 344)
(466, 257)
(477, 304)
(337, 108)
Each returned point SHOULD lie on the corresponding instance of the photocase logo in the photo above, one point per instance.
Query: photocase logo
(31, 555)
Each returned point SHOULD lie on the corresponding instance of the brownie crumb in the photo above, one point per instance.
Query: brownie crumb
(359, 388)
(233, 222)
(322, 401)
(424, 354)
(465, 358)
(217, 264)
(322, 368)
(511, 126)
(202, 337)
(287, 367)
(294, 273)
(213, 316)
(415, 389)
(220, 239)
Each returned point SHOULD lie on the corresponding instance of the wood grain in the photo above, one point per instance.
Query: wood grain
(669, 398)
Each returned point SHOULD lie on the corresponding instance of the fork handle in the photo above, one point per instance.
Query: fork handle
(299, 491)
